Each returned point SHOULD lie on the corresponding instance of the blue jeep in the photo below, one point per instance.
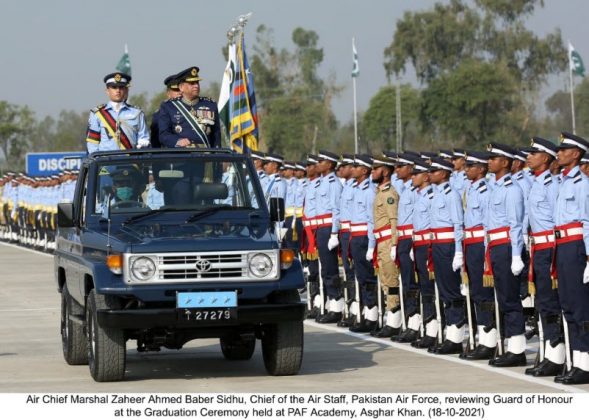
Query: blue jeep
(169, 245)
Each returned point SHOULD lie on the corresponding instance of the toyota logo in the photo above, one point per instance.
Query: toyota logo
(202, 266)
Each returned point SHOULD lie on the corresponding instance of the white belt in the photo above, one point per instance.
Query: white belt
(443, 235)
(383, 233)
(307, 223)
(542, 239)
(406, 232)
(424, 237)
(474, 234)
(570, 232)
(361, 228)
(324, 221)
(497, 236)
(345, 225)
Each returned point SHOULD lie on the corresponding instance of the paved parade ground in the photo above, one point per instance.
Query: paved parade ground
(334, 360)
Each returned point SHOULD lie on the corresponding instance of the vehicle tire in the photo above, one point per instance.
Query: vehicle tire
(282, 343)
(106, 346)
(238, 348)
(73, 339)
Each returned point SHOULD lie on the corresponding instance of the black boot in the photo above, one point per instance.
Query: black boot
(407, 336)
(449, 347)
(313, 313)
(545, 368)
(329, 318)
(385, 332)
(576, 377)
(479, 353)
(509, 359)
(364, 327)
(425, 342)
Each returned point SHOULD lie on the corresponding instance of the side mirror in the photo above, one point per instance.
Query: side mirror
(65, 215)
(276, 209)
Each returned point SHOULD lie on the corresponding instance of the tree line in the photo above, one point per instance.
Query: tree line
(479, 69)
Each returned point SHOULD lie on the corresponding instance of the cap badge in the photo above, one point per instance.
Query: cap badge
(118, 77)
(193, 71)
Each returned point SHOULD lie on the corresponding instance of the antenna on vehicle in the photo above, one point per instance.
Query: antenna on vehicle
(107, 216)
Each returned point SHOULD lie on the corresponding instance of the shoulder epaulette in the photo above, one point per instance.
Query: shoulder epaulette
(206, 98)
(388, 187)
(482, 187)
(519, 175)
(577, 178)
(277, 177)
(508, 181)
(548, 179)
(133, 106)
(365, 187)
(98, 108)
(447, 189)
(430, 193)
(413, 188)
(331, 178)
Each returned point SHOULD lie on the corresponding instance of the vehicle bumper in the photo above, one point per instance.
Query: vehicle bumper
(168, 317)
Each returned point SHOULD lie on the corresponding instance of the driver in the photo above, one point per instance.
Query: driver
(127, 187)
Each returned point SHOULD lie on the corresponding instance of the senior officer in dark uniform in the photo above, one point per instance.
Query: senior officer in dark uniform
(190, 120)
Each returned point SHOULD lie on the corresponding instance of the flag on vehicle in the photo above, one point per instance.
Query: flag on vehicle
(226, 86)
(242, 104)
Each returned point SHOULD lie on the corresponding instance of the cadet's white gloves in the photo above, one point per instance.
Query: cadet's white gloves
(369, 254)
(457, 261)
(411, 255)
(394, 253)
(586, 274)
(143, 143)
(517, 265)
(333, 242)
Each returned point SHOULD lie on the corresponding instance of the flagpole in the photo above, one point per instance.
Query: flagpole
(572, 94)
(355, 117)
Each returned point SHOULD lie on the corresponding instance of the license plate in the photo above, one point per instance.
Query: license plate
(193, 300)
(207, 306)
(207, 315)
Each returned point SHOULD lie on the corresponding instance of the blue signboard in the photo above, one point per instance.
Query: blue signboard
(45, 164)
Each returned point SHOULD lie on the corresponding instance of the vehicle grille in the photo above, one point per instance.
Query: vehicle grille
(226, 266)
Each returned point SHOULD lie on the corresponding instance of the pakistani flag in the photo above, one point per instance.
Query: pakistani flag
(356, 68)
(576, 62)
(226, 86)
(124, 65)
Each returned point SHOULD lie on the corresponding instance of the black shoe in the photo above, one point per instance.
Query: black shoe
(564, 374)
(479, 353)
(449, 347)
(329, 318)
(509, 359)
(364, 326)
(347, 322)
(407, 336)
(313, 313)
(576, 377)
(385, 332)
(545, 368)
(424, 342)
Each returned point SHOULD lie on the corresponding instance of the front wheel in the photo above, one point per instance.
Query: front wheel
(73, 341)
(282, 348)
(106, 346)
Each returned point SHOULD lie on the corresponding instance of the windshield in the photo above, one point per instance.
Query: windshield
(175, 183)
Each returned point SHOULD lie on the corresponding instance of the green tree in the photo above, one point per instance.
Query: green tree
(559, 108)
(16, 123)
(472, 105)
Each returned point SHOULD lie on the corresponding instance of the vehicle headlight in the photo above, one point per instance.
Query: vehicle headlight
(143, 268)
(260, 265)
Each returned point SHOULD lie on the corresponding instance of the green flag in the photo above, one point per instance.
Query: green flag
(124, 65)
(226, 86)
(356, 68)
(576, 62)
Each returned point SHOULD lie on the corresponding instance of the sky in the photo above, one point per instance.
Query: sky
(54, 54)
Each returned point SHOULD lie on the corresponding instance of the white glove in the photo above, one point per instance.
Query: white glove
(369, 254)
(333, 242)
(527, 242)
(143, 143)
(517, 265)
(586, 274)
(394, 253)
(463, 289)
(411, 255)
(458, 261)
